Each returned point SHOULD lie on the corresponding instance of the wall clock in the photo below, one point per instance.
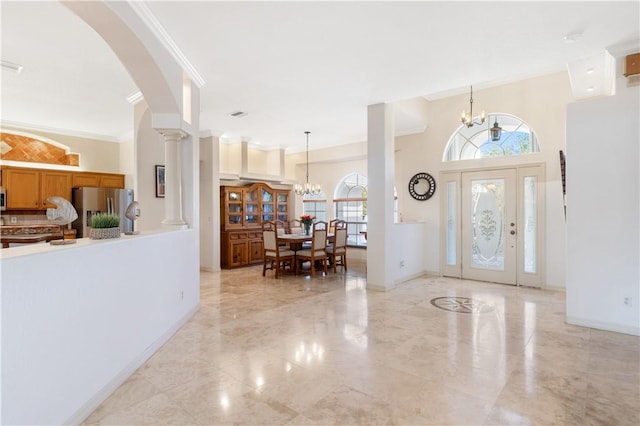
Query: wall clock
(422, 186)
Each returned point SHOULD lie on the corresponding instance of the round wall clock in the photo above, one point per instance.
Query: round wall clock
(422, 186)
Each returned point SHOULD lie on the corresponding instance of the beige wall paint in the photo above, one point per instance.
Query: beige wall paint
(541, 102)
(230, 158)
(95, 155)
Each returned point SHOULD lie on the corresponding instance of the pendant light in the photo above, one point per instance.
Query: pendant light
(467, 117)
(496, 131)
(307, 188)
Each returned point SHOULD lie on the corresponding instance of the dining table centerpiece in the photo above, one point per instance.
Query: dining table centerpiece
(307, 221)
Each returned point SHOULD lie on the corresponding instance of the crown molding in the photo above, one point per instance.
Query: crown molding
(147, 16)
(76, 133)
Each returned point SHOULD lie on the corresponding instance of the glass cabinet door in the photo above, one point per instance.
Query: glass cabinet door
(268, 205)
(283, 206)
(234, 215)
(234, 208)
(251, 208)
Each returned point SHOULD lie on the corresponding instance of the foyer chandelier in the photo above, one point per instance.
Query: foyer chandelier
(307, 188)
(495, 131)
(467, 117)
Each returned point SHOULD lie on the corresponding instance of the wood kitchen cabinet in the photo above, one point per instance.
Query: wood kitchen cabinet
(23, 188)
(28, 189)
(97, 180)
(54, 184)
(243, 210)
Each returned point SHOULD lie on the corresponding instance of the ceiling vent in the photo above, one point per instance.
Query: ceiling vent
(238, 114)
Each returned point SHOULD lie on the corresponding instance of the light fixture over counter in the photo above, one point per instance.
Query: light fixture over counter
(307, 188)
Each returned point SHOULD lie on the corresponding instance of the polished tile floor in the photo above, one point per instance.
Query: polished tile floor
(321, 351)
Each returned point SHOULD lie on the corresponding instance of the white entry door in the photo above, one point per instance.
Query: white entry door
(493, 225)
(489, 226)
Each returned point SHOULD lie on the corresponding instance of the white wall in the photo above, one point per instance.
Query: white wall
(603, 214)
(149, 146)
(77, 325)
(409, 241)
(209, 204)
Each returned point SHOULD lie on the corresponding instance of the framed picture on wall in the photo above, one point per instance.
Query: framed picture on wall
(159, 181)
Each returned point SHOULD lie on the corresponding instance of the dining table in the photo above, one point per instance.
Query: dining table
(296, 241)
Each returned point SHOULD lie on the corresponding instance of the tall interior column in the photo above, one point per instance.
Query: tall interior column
(173, 180)
(380, 177)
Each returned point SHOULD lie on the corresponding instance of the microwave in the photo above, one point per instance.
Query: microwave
(3, 199)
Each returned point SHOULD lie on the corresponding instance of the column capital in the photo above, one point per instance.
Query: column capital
(172, 135)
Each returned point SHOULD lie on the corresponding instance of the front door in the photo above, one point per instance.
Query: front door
(492, 225)
(489, 231)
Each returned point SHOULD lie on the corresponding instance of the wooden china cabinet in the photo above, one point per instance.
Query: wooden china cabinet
(243, 210)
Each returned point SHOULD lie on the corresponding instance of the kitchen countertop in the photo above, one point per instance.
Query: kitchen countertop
(25, 234)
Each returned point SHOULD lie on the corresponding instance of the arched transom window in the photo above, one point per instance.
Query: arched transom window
(469, 143)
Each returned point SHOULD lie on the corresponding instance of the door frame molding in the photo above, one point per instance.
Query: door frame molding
(449, 176)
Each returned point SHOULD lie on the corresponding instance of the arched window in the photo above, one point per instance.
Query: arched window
(350, 199)
(315, 205)
(469, 143)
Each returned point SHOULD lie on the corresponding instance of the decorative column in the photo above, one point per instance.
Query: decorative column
(381, 247)
(173, 179)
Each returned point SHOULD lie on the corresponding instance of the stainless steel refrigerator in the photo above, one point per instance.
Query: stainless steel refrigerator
(90, 201)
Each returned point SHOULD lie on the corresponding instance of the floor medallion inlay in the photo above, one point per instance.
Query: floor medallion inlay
(462, 305)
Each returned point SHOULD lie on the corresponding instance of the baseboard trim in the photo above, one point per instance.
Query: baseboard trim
(99, 397)
(409, 277)
(376, 287)
(606, 326)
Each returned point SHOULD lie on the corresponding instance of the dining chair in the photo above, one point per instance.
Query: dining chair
(268, 226)
(315, 254)
(281, 229)
(275, 255)
(337, 251)
(295, 227)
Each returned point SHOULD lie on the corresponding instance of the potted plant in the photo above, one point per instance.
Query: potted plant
(104, 225)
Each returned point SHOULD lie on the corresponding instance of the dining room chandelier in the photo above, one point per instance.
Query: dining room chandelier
(307, 188)
(467, 117)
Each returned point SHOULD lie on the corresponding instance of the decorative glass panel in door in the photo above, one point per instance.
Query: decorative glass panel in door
(489, 226)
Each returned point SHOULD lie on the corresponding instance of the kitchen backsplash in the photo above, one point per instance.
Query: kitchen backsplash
(24, 219)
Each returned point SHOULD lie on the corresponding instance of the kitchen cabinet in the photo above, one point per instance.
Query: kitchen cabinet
(54, 184)
(243, 210)
(28, 189)
(97, 180)
(23, 188)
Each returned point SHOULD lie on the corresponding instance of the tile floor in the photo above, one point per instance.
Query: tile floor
(302, 351)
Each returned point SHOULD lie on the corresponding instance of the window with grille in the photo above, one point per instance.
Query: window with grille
(469, 143)
(350, 201)
(315, 205)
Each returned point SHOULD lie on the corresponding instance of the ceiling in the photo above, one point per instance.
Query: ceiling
(296, 66)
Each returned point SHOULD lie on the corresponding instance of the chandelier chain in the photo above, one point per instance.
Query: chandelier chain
(307, 188)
